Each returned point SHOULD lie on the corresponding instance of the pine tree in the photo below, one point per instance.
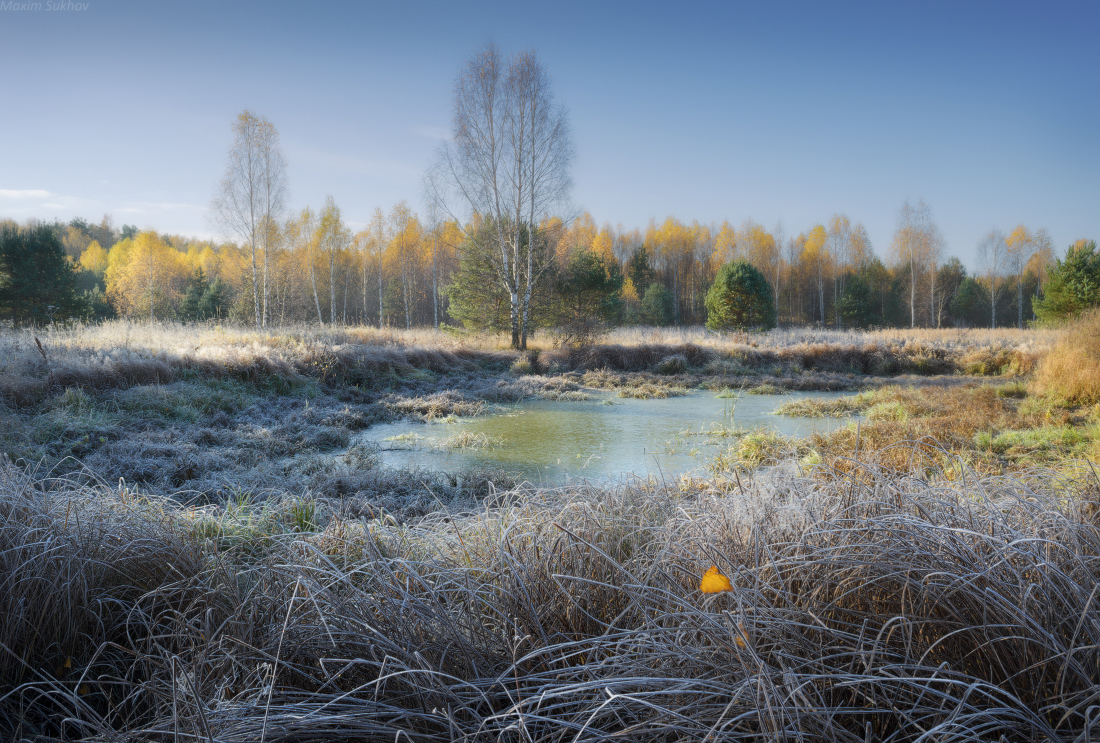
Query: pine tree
(41, 284)
(1072, 285)
(740, 299)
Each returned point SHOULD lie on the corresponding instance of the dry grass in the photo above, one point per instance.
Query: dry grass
(995, 429)
(878, 608)
(807, 336)
(1071, 372)
(123, 354)
(652, 392)
(120, 354)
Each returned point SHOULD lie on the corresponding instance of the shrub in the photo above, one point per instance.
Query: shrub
(675, 364)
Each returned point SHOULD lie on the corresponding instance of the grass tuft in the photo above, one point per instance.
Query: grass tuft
(1071, 371)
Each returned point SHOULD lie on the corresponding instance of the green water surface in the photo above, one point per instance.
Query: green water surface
(603, 439)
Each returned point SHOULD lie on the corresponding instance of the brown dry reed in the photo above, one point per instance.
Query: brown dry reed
(1071, 371)
(889, 607)
(124, 353)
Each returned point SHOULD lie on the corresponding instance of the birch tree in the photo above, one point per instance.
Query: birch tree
(377, 240)
(839, 242)
(332, 239)
(252, 196)
(1019, 247)
(992, 255)
(918, 246)
(302, 237)
(508, 162)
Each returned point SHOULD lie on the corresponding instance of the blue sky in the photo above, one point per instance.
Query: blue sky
(988, 111)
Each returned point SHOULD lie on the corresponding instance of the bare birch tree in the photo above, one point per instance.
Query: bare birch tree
(378, 239)
(918, 245)
(332, 239)
(992, 255)
(252, 195)
(840, 243)
(508, 162)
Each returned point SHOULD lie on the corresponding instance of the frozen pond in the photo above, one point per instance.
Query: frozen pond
(603, 439)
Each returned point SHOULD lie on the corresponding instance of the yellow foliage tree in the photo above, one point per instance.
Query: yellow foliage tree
(816, 259)
(581, 235)
(603, 245)
(725, 245)
(94, 258)
(404, 255)
(146, 278)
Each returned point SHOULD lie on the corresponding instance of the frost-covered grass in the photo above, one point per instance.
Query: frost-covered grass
(194, 546)
(885, 607)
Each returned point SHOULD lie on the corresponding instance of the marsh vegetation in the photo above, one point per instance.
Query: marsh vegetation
(195, 546)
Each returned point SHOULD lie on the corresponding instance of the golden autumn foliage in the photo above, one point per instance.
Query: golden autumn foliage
(145, 276)
(94, 258)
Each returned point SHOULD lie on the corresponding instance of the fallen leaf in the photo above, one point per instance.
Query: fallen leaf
(714, 582)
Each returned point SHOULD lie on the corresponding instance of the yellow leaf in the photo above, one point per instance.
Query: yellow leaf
(714, 582)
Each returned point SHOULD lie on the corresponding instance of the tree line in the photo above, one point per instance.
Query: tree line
(493, 251)
(400, 271)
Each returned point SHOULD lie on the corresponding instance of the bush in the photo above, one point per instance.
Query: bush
(675, 364)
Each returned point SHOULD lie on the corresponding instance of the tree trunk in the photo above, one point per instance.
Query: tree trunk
(316, 299)
(514, 296)
(993, 304)
(1020, 300)
(332, 288)
(435, 288)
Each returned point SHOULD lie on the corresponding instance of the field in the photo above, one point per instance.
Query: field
(190, 550)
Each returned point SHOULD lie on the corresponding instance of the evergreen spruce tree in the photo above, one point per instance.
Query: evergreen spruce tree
(40, 285)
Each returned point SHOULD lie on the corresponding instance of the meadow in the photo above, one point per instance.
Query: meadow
(190, 551)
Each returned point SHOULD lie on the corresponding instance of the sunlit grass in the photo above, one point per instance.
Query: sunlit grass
(1071, 372)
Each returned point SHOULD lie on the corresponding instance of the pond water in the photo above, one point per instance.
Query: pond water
(603, 439)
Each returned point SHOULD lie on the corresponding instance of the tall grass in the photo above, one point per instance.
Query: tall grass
(881, 607)
(124, 353)
(1071, 371)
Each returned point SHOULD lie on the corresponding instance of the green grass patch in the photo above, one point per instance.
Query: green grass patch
(1013, 390)
(187, 402)
(892, 410)
(1038, 444)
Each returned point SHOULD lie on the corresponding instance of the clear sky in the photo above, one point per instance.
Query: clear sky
(989, 111)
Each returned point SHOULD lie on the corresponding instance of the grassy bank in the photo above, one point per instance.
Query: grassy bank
(879, 608)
